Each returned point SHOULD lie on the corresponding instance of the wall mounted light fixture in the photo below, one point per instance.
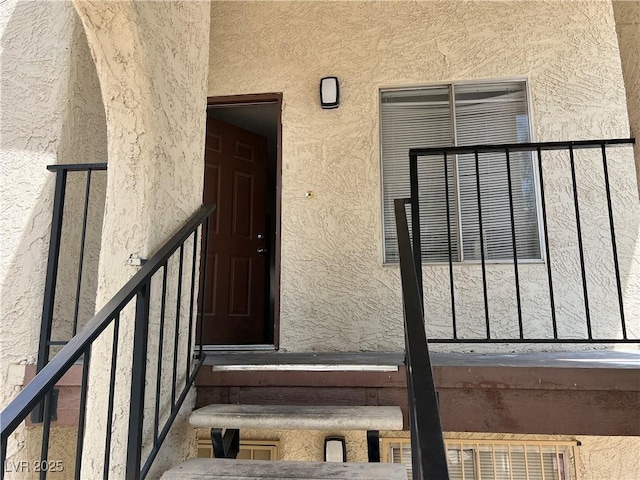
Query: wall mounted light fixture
(335, 449)
(329, 92)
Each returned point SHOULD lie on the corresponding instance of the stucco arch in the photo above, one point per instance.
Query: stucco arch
(152, 63)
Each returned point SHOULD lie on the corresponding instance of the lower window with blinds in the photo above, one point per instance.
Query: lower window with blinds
(496, 460)
(453, 193)
(249, 449)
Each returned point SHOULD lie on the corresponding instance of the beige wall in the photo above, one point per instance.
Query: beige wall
(51, 112)
(627, 15)
(336, 294)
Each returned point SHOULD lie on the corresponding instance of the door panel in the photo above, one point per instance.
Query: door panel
(235, 179)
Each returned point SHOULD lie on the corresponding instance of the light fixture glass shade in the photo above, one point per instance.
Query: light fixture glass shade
(329, 92)
(335, 449)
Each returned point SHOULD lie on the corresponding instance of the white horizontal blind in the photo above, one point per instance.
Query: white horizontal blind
(495, 114)
(401, 453)
(415, 119)
(461, 463)
(501, 461)
(484, 114)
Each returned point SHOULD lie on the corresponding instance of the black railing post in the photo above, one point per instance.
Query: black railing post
(51, 277)
(82, 414)
(450, 256)
(482, 254)
(110, 402)
(3, 457)
(415, 218)
(427, 439)
(554, 322)
(176, 330)
(514, 244)
(576, 205)
(138, 376)
(202, 286)
(163, 308)
(83, 238)
(613, 242)
(192, 319)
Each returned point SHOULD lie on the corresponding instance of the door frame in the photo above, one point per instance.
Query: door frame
(253, 99)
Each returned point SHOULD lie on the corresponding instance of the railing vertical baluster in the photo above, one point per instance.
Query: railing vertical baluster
(110, 403)
(482, 253)
(194, 254)
(513, 241)
(554, 321)
(3, 457)
(46, 433)
(82, 245)
(580, 247)
(51, 278)
(163, 307)
(82, 413)
(138, 377)
(176, 333)
(451, 280)
(204, 232)
(415, 219)
(613, 241)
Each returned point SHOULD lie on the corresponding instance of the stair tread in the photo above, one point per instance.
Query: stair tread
(228, 469)
(296, 417)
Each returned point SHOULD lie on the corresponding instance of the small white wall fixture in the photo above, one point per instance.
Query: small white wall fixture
(329, 93)
(335, 449)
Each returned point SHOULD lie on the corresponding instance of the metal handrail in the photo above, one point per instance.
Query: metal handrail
(428, 453)
(520, 147)
(417, 156)
(138, 286)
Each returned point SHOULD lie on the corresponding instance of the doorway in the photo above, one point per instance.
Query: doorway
(242, 177)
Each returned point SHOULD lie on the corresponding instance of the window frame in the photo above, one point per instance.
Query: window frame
(570, 460)
(272, 446)
(454, 134)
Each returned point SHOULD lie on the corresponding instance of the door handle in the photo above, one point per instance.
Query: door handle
(262, 251)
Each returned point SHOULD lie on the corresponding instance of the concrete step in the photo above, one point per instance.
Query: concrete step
(294, 417)
(227, 469)
(308, 362)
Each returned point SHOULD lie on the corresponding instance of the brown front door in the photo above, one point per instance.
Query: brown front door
(235, 180)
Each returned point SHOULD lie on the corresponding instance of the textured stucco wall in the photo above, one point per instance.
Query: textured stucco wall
(84, 140)
(598, 458)
(51, 112)
(627, 15)
(62, 454)
(336, 294)
(151, 59)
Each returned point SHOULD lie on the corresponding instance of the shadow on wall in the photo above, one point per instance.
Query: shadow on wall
(52, 113)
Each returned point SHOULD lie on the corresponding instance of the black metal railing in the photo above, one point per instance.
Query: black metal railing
(153, 277)
(88, 209)
(428, 454)
(590, 201)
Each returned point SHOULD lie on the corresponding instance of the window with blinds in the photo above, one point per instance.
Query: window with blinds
(486, 113)
(496, 460)
(249, 449)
